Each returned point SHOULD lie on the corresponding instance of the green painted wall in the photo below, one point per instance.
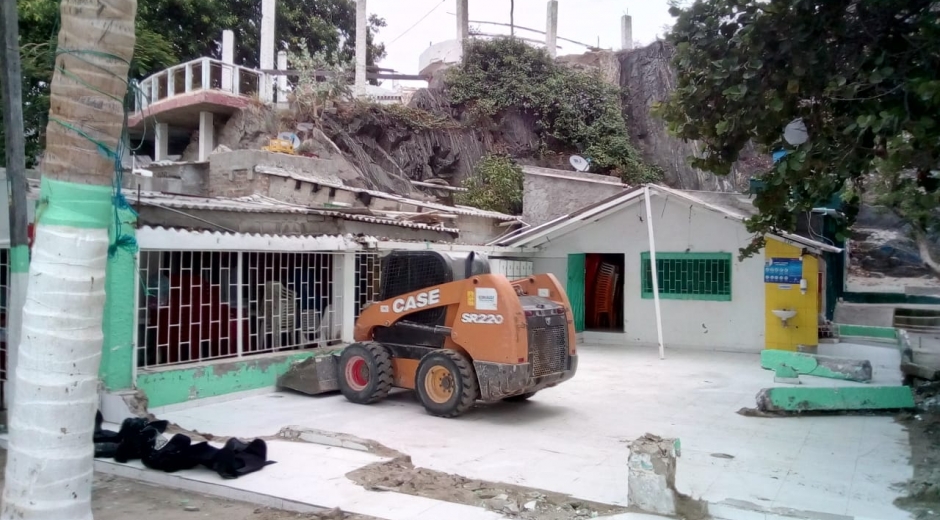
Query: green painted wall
(117, 355)
(168, 387)
(864, 331)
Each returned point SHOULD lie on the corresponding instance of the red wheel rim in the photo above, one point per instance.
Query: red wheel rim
(357, 373)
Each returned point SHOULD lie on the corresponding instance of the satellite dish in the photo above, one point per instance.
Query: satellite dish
(579, 163)
(795, 133)
(290, 136)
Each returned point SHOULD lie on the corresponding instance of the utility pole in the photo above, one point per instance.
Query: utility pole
(16, 184)
(362, 44)
(512, 17)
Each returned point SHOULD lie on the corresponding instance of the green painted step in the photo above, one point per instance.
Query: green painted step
(863, 331)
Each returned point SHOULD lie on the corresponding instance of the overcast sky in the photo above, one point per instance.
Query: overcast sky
(586, 21)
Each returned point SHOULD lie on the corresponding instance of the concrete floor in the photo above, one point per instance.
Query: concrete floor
(571, 439)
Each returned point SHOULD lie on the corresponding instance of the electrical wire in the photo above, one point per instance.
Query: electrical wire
(408, 30)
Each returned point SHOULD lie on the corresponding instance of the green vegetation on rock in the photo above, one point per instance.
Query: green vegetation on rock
(574, 110)
(496, 185)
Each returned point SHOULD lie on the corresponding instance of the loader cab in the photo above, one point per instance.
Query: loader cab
(408, 271)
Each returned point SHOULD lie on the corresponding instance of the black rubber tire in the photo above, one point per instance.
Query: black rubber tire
(519, 398)
(379, 364)
(466, 388)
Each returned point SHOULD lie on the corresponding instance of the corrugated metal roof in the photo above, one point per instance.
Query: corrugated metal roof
(572, 221)
(181, 239)
(459, 210)
(259, 204)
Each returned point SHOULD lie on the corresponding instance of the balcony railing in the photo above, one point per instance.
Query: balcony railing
(200, 75)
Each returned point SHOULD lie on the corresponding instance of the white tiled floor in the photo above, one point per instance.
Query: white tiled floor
(571, 439)
(316, 475)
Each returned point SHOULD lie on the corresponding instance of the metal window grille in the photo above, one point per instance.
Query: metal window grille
(689, 276)
(4, 298)
(202, 305)
(512, 269)
(368, 275)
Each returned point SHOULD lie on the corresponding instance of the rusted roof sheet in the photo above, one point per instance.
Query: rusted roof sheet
(259, 204)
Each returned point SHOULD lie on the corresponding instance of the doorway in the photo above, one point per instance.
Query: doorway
(603, 292)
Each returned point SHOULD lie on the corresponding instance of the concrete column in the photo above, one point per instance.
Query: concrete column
(266, 59)
(651, 475)
(463, 20)
(228, 58)
(206, 135)
(551, 29)
(344, 274)
(362, 31)
(282, 80)
(161, 142)
(626, 32)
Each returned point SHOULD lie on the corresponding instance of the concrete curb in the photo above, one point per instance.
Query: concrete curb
(743, 510)
(180, 482)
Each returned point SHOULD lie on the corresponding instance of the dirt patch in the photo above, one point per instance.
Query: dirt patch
(115, 498)
(923, 491)
(400, 475)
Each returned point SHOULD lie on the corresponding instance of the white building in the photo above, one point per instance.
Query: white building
(709, 299)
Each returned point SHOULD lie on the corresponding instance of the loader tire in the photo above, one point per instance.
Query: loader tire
(365, 373)
(446, 383)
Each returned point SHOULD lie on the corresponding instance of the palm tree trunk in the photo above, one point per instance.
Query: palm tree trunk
(50, 455)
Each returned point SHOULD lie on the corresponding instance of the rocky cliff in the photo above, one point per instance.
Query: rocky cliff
(430, 140)
(646, 78)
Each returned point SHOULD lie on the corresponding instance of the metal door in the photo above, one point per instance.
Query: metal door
(575, 288)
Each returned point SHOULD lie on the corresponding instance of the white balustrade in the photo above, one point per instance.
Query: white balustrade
(201, 74)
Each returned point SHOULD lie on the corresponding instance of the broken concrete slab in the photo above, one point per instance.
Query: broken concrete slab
(651, 477)
(791, 365)
(312, 376)
(806, 399)
(920, 371)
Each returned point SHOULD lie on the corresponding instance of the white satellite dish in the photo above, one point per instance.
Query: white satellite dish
(290, 136)
(795, 133)
(579, 163)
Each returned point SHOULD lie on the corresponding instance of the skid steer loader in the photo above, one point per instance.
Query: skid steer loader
(448, 329)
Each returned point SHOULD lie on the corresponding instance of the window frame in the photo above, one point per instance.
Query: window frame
(648, 294)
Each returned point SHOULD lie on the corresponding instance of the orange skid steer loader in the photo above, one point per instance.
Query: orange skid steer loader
(448, 329)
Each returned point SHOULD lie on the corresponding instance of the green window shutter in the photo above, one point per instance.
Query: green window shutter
(575, 288)
(688, 276)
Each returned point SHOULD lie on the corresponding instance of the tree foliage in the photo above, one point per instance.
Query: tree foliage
(862, 75)
(496, 185)
(575, 109)
(312, 94)
(174, 31)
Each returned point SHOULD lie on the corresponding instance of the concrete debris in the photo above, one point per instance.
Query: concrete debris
(651, 479)
(512, 501)
(809, 399)
(790, 365)
(652, 474)
(920, 371)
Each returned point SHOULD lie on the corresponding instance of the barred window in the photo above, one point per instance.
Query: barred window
(688, 276)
